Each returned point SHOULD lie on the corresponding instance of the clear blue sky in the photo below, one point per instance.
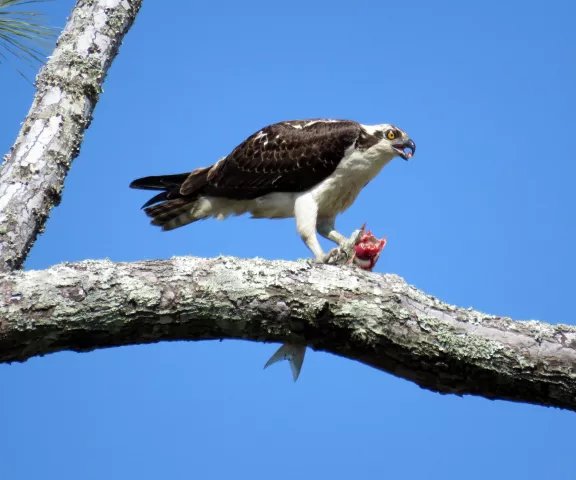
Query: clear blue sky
(483, 216)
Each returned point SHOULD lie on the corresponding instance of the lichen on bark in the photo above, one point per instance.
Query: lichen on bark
(376, 319)
(68, 86)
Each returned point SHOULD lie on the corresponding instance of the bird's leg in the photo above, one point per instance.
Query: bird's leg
(306, 213)
(325, 227)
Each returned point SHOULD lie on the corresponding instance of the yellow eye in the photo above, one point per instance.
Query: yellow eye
(391, 134)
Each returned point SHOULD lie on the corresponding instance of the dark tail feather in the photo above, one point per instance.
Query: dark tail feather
(165, 214)
(173, 186)
(155, 199)
(170, 184)
(160, 182)
(180, 201)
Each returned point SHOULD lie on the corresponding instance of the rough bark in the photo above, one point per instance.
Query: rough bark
(68, 86)
(376, 319)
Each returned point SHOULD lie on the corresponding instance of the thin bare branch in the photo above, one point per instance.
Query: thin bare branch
(32, 175)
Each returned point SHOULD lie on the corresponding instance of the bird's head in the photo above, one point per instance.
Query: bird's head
(393, 141)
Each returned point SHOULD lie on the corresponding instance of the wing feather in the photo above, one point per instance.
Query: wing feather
(284, 157)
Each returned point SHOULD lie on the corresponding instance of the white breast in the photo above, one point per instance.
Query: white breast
(339, 191)
(333, 195)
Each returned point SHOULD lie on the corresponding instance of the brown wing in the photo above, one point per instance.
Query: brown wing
(289, 156)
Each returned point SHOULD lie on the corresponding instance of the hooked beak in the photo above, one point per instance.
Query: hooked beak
(402, 147)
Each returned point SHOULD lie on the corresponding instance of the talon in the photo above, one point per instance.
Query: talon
(336, 256)
(361, 249)
(315, 261)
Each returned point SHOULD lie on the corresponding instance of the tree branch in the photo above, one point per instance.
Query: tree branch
(376, 319)
(68, 86)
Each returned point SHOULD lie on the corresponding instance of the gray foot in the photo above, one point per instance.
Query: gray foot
(343, 253)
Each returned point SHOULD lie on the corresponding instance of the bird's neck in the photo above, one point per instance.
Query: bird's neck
(360, 168)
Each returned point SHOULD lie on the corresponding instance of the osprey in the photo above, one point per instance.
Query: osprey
(308, 169)
(311, 170)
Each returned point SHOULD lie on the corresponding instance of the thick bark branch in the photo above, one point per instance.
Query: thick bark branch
(376, 319)
(68, 86)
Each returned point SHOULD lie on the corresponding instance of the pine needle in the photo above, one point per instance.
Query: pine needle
(24, 35)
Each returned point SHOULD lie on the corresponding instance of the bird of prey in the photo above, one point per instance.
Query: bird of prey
(311, 170)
